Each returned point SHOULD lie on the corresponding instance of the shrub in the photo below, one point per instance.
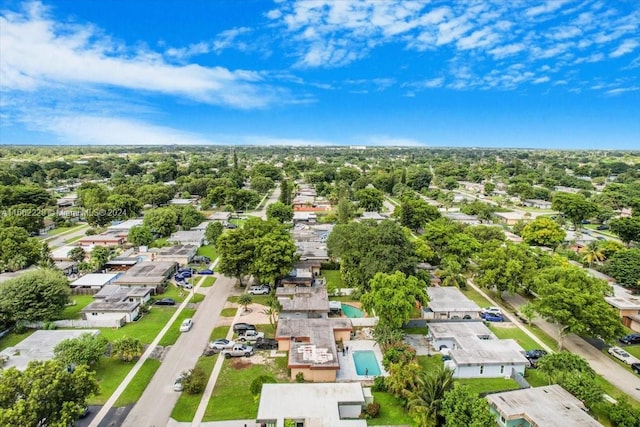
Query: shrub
(49, 326)
(379, 384)
(400, 353)
(194, 381)
(372, 410)
(256, 384)
(299, 377)
(90, 232)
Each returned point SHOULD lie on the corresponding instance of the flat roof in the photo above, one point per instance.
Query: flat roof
(509, 215)
(105, 237)
(62, 253)
(624, 302)
(459, 330)
(187, 236)
(459, 216)
(549, 406)
(316, 403)
(303, 299)
(449, 298)
(220, 216)
(177, 250)
(154, 272)
(489, 352)
(119, 293)
(126, 225)
(94, 279)
(111, 306)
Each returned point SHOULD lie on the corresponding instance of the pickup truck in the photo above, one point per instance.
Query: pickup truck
(238, 350)
(250, 335)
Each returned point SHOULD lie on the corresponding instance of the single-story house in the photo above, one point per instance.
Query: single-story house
(125, 226)
(62, 253)
(463, 218)
(220, 216)
(475, 351)
(312, 251)
(66, 267)
(317, 405)
(537, 203)
(550, 406)
(375, 216)
(449, 303)
(104, 239)
(580, 239)
(184, 202)
(182, 254)
(150, 274)
(303, 300)
(511, 218)
(67, 201)
(304, 217)
(115, 293)
(95, 280)
(628, 307)
(121, 263)
(187, 237)
(202, 226)
(48, 225)
(112, 310)
(472, 186)
(309, 265)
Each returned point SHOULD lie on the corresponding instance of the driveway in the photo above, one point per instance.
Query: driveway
(625, 380)
(156, 403)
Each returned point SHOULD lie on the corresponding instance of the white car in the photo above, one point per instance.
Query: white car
(260, 290)
(186, 325)
(492, 310)
(622, 355)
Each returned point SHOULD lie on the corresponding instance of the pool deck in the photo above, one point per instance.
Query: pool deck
(347, 371)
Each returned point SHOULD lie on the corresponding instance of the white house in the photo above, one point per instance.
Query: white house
(189, 237)
(475, 351)
(117, 303)
(95, 280)
(313, 405)
(449, 303)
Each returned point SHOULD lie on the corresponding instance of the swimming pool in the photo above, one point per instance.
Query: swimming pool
(366, 363)
(351, 311)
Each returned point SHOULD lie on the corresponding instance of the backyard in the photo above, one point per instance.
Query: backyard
(208, 251)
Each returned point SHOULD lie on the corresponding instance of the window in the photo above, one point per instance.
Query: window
(502, 369)
(481, 369)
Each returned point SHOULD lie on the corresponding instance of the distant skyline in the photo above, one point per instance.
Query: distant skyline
(469, 73)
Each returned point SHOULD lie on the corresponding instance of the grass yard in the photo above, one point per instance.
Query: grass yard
(416, 331)
(187, 404)
(110, 373)
(73, 239)
(228, 312)
(136, 387)
(543, 336)
(391, 411)
(257, 299)
(62, 230)
(475, 296)
(633, 350)
(231, 398)
(334, 279)
(208, 251)
(345, 298)
(219, 332)
(208, 282)
(174, 331)
(430, 363)
(72, 312)
(525, 341)
(12, 338)
(486, 385)
(145, 328)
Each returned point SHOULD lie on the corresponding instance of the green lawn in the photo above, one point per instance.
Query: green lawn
(486, 385)
(61, 230)
(73, 239)
(334, 279)
(228, 312)
(633, 350)
(174, 331)
(219, 332)
(208, 282)
(187, 404)
(430, 363)
(525, 341)
(145, 328)
(12, 338)
(257, 299)
(392, 411)
(72, 312)
(416, 331)
(208, 251)
(110, 373)
(543, 336)
(475, 296)
(136, 387)
(231, 398)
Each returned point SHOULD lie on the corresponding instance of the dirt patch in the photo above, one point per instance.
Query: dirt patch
(241, 363)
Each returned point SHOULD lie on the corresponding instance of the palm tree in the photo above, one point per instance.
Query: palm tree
(424, 403)
(404, 379)
(592, 253)
(386, 336)
(245, 300)
(273, 310)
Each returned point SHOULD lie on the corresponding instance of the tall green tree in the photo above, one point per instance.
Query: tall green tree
(345, 211)
(575, 206)
(35, 295)
(286, 191)
(24, 215)
(161, 221)
(140, 235)
(393, 297)
(370, 199)
(99, 256)
(127, 349)
(543, 231)
(628, 229)
(45, 393)
(280, 212)
(414, 213)
(463, 408)
(573, 301)
(425, 402)
(17, 249)
(507, 268)
(87, 349)
(77, 254)
(624, 266)
(274, 253)
(213, 231)
(235, 248)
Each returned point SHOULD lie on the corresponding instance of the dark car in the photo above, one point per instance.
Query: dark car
(206, 271)
(635, 367)
(535, 354)
(199, 259)
(166, 301)
(240, 327)
(186, 273)
(492, 317)
(265, 344)
(603, 227)
(178, 277)
(630, 339)
(230, 225)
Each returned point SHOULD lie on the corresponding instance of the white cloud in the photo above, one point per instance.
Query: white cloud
(541, 80)
(627, 46)
(507, 50)
(38, 53)
(621, 90)
(433, 83)
(546, 7)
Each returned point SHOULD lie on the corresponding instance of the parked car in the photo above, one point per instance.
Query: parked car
(178, 277)
(630, 339)
(533, 356)
(177, 384)
(250, 335)
(186, 325)
(635, 367)
(260, 290)
(200, 259)
(189, 270)
(493, 317)
(603, 227)
(166, 301)
(206, 271)
(221, 344)
(186, 273)
(185, 285)
(492, 310)
(230, 225)
(265, 344)
(238, 350)
(620, 354)
(243, 327)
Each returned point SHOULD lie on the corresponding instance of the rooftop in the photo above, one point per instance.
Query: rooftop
(187, 236)
(111, 306)
(303, 299)
(373, 215)
(95, 279)
(510, 215)
(126, 225)
(542, 406)
(115, 293)
(220, 216)
(177, 250)
(449, 299)
(147, 272)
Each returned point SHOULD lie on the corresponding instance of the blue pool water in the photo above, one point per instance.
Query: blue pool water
(351, 311)
(366, 363)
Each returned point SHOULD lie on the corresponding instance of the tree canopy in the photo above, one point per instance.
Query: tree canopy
(86, 349)
(17, 249)
(543, 231)
(280, 212)
(575, 206)
(624, 266)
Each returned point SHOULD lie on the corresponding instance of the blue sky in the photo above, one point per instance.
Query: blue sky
(528, 73)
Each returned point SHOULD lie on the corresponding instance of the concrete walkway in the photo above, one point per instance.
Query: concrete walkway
(625, 380)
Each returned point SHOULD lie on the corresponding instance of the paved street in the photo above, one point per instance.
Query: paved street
(626, 381)
(59, 241)
(262, 213)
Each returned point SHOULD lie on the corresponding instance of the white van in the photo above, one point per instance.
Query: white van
(186, 325)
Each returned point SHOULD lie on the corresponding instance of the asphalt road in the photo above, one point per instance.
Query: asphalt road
(262, 213)
(154, 407)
